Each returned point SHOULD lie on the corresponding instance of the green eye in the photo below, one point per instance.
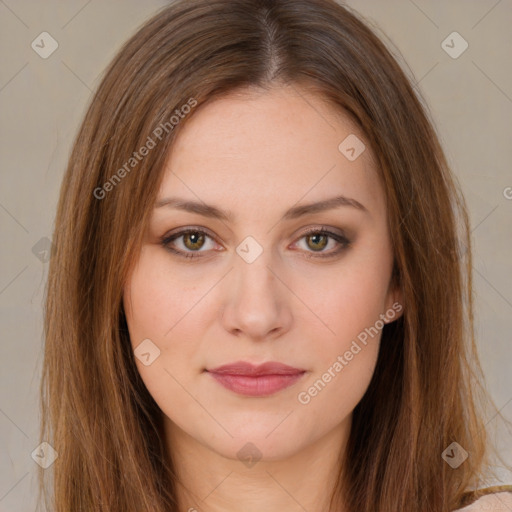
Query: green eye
(194, 240)
(318, 239)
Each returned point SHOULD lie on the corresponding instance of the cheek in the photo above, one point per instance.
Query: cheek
(350, 301)
(344, 359)
(159, 302)
(330, 396)
(160, 307)
(168, 306)
(346, 300)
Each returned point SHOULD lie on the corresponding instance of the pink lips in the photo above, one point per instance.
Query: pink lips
(263, 380)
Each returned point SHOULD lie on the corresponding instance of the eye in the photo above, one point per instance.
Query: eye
(317, 240)
(192, 240)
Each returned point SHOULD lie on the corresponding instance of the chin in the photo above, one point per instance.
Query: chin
(251, 449)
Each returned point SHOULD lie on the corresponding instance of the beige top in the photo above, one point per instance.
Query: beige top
(494, 499)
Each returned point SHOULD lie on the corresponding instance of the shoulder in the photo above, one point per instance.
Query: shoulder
(491, 500)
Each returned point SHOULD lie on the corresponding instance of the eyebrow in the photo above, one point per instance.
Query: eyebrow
(293, 213)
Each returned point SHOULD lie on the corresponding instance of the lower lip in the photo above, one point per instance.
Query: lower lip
(262, 385)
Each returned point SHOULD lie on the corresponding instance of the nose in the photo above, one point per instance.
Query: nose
(256, 302)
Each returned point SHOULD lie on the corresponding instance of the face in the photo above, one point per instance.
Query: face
(250, 275)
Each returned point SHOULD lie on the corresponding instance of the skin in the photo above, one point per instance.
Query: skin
(257, 154)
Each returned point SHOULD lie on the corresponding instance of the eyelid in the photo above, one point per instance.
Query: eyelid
(170, 237)
(188, 229)
(323, 229)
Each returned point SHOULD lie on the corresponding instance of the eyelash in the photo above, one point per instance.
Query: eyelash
(340, 239)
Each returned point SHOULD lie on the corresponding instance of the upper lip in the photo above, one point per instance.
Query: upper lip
(245, 368)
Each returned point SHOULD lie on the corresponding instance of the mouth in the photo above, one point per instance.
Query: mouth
(246, 379)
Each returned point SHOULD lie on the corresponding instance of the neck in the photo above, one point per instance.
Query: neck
(211, 482)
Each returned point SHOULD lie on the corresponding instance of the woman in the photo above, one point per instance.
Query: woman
(260, 296)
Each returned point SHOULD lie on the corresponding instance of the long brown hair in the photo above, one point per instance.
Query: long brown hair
(427, 389)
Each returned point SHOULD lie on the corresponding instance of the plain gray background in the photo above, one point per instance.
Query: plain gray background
(42, 103)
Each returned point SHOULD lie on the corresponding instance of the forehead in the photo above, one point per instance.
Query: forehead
(254, 149)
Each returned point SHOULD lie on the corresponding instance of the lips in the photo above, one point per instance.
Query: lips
(246, 379)
(243, 368)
